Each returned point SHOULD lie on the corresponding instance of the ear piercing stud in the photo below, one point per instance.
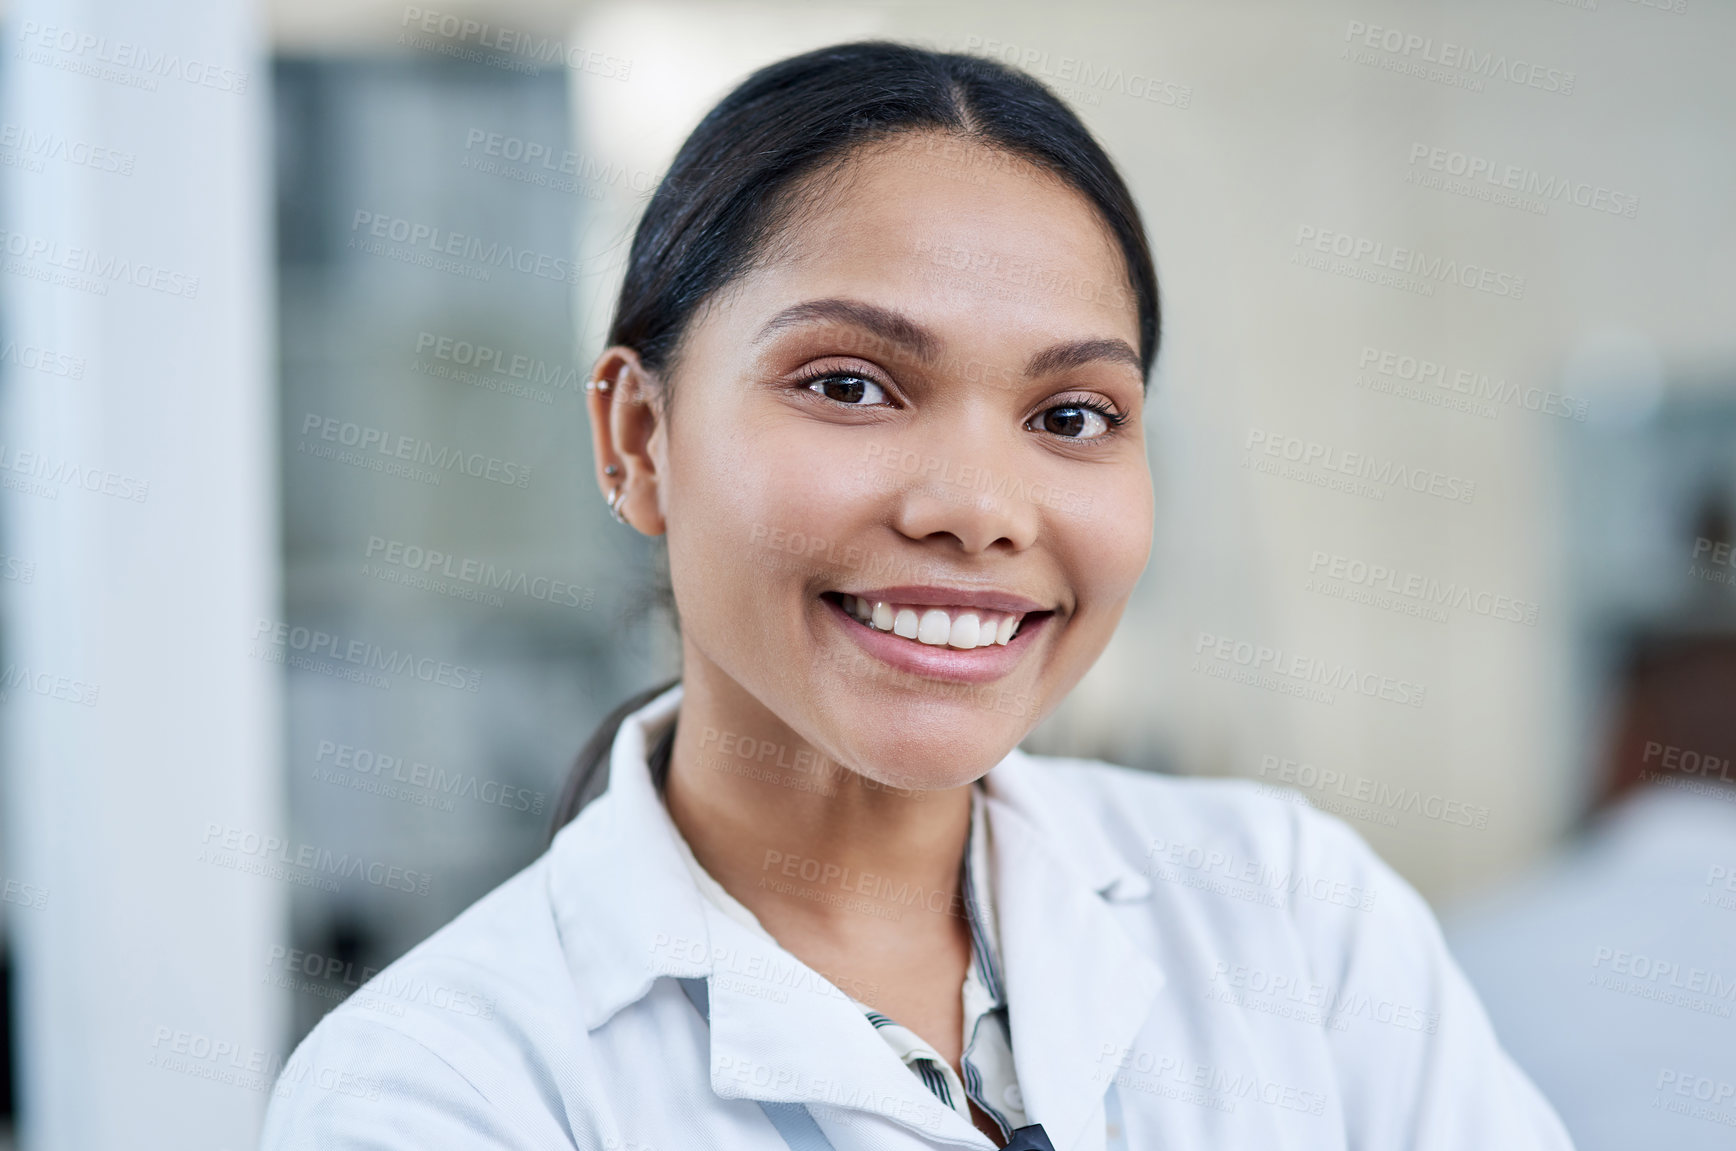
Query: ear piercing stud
(615, 506)
(597, 386)
(612, 470)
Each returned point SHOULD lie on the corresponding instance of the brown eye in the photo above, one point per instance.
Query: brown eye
(1073, 422)
(847, 389)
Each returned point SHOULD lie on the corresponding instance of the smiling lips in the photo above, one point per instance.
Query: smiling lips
(956, 627)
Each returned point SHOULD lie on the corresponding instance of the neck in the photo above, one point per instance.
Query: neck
(813, 848)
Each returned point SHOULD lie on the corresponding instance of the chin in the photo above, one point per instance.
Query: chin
(928, 746)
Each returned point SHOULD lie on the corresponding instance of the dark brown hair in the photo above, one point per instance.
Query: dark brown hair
(738, 176)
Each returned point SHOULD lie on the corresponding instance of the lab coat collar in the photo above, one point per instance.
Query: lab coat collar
(629, 912)
(1079, 989)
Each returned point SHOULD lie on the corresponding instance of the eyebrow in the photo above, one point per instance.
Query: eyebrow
(1061, 357)
(896, 328)
(893, 327)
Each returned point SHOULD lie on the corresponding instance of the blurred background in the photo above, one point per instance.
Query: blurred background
(276, 703)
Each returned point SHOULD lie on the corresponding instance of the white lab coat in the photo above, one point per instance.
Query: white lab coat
(1245, 969)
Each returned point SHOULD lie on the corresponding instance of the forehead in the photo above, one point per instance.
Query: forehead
(963, 234)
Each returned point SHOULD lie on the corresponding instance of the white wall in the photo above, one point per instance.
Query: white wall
(150, 566)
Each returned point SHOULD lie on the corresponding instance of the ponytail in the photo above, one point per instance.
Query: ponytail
(589, 777)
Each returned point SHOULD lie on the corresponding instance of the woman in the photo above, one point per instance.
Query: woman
(877, 373)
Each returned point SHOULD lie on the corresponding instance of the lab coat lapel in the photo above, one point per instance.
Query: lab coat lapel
(781, 1032)
(629, 913)
(626, 908)
(1078, 987)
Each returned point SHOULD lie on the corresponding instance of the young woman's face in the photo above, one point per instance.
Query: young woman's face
(929, 399)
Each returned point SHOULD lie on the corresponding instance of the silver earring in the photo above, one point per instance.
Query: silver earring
(612, 470)
(615, 506)
(597, 386)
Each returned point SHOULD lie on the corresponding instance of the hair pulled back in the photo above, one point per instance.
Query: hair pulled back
(737, 181)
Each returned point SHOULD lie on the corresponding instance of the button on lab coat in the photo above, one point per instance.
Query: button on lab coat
(1244, 969)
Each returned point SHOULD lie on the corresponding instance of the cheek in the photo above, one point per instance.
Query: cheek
(1105, 548)
(751, 507)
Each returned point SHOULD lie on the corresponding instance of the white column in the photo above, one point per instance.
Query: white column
(139, 468)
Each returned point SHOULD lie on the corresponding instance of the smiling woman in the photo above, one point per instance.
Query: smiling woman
(877, 372)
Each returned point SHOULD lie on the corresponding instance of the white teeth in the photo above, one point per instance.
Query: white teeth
(964, 631)
(934, 628)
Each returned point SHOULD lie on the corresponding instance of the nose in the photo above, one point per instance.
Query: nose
(971, 497)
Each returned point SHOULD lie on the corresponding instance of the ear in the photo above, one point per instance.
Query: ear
(626, 415)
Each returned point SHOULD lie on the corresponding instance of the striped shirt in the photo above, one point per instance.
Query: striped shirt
(989, 1078)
